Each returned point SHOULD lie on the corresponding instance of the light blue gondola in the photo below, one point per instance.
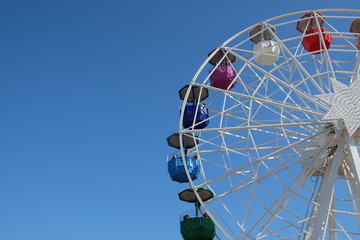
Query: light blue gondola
(177, 171)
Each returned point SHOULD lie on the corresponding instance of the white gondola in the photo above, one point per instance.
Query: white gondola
(266, 51)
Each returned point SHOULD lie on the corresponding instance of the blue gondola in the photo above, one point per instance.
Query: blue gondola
(201, 119)
(177, 171)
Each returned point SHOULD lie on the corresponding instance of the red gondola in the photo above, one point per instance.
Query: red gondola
(316, 36)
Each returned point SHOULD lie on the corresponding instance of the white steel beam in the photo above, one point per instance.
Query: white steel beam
(355, 163)
(320, 214)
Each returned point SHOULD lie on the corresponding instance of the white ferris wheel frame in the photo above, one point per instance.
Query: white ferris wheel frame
(316, 225)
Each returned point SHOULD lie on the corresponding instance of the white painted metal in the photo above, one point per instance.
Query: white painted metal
(320, 216)
(281, 150)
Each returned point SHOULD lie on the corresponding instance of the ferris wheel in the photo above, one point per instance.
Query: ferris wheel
(279, 146)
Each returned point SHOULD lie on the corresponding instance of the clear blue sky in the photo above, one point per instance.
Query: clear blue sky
(88, 95)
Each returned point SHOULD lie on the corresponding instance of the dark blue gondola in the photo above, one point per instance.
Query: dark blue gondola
(177, 171)
(201, 119)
